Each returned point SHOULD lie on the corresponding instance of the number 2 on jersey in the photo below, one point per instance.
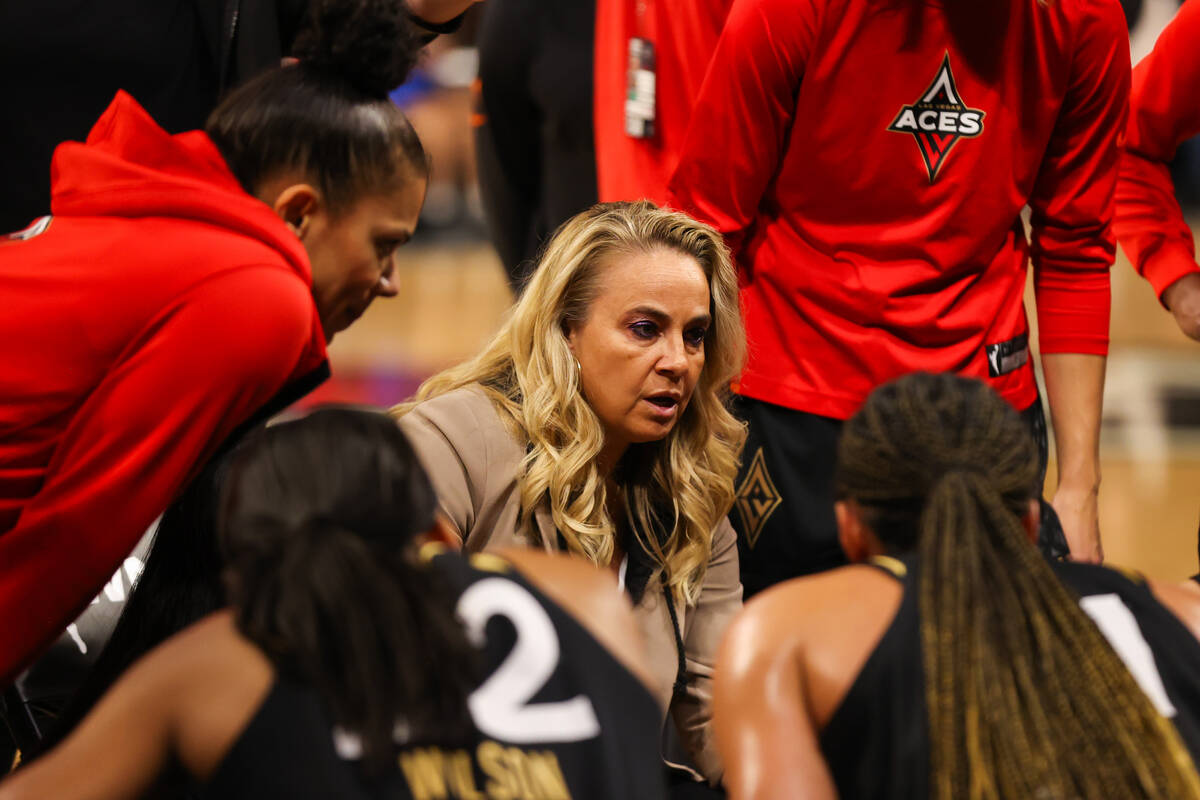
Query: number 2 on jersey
(501, 706)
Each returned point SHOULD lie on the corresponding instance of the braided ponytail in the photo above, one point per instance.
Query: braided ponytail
(1025, 696)
(317, 533)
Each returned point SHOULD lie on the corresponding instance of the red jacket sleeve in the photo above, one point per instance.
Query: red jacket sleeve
(206, 364)
(1073, 245)
(1164, 110)
(737, 133)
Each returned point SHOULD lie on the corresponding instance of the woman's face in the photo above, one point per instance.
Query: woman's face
(641, 347)
(353, 253)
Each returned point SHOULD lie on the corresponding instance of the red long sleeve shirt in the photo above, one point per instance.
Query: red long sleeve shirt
(683, 34)
(159, 308)
(868, 163)
(1164, 109)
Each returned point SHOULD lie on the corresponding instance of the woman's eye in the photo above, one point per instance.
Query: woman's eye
(385, 248)
(644, 330)
(695, 336)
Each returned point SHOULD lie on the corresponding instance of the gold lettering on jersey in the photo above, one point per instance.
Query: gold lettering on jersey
(502, 784)
(511, 773)
(545, 777)
(424, 769)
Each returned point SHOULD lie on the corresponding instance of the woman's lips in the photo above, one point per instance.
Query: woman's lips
(662, 408)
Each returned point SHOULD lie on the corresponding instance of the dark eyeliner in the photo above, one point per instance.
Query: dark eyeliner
(644, 329)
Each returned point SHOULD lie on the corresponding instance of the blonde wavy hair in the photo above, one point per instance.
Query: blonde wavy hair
(530, 374)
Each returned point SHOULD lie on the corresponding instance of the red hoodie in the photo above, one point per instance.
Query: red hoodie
(156, 310)
(1164, 110)
(683, 35)
(868, 163)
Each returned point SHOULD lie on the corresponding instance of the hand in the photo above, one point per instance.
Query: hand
(1183, 298)
(1077, 510)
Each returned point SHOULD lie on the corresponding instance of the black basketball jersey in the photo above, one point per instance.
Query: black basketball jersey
(557, 717)
(877, 742)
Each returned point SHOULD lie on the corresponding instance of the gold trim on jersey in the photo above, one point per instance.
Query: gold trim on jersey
(892, 565)
(431, 550)
(487, 562)
(490, 562)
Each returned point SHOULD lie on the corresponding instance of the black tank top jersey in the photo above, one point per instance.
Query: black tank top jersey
(877, 742)
(557, 717)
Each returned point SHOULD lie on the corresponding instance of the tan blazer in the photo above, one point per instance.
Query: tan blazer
(474, 460)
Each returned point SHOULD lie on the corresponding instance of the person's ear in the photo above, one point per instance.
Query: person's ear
(857, 542)
(295, 205)
(1031, 520)
(568, 332)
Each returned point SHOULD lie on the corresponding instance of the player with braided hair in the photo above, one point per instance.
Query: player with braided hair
(951, 660)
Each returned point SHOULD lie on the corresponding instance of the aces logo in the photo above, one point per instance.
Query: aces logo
(938, 120)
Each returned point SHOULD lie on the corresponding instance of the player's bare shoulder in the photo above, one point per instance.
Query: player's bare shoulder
(591, 596)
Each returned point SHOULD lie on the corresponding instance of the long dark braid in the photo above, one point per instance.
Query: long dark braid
(1025, 696)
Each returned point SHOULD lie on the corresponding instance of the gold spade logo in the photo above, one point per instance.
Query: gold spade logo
(757, 498)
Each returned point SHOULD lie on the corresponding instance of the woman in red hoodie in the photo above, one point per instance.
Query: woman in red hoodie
(182, 285)
(1164, 111)
(868, 164)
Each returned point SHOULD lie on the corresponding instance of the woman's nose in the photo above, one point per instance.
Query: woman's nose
(387, 281)
(673, 359)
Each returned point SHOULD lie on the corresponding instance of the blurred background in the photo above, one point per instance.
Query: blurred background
(454, 292)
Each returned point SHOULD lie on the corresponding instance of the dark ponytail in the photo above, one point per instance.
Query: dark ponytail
(1025, 696)
(328, 117)
(317, 531)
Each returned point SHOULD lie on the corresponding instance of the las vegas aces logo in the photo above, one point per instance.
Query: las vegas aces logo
(938, 120)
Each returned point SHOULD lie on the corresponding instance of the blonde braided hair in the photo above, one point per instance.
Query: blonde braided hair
(1025, 696)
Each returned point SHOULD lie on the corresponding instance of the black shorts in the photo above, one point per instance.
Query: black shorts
(783, 513)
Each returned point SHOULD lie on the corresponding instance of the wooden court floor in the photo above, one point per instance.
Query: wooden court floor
(452, 298)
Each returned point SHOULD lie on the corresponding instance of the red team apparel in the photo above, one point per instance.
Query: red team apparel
(156, 310)
(1164, 110)
(868, 163)
(683, 35)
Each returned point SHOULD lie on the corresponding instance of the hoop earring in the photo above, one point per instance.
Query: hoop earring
(578, 370)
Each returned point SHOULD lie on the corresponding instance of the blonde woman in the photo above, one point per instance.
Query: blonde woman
(595, 422)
